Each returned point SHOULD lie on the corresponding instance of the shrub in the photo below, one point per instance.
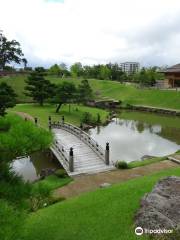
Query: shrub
(61, 173)
(41, 194)
(121, 165)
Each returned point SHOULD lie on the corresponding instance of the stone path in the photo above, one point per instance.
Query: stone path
(88, 183)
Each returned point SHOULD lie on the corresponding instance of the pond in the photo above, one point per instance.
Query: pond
(133, 135)
(30, 167)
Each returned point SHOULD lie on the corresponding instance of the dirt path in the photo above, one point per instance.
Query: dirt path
(25, 115)
(91, 182)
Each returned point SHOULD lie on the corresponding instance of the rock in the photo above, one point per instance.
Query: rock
(105, 185)
(46, 172)
(160, 209)
(145, 157)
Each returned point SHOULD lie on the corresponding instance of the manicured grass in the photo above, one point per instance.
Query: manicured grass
(115, 90)
(102, 215)
(18, 84)
(145, 162)
(74, 116)
(52, 182)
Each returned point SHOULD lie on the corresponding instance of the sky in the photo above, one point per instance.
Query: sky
(94, 31)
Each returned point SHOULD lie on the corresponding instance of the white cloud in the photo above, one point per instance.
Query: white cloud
(94, 31)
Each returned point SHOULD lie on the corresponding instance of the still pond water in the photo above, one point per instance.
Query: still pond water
(131, 136)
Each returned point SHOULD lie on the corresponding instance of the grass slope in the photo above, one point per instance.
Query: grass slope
(52, 182)
(129, 94)
(102, 215)
(73, 117)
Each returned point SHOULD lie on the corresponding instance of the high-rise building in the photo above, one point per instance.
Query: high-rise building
(130, 67)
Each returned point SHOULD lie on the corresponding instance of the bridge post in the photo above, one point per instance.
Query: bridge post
(35, 120)
(62, 119)
(71, 160)
(107, 154)
(49, 122)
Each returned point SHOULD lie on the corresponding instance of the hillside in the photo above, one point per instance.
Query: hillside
(110, 89)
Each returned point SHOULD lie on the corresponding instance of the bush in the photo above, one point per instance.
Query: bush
(121, 165)
(61, 173)
(41, 194)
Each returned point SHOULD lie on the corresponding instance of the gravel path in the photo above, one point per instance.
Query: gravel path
(88, 183)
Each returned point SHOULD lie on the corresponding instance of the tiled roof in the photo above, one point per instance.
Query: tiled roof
(175, 68)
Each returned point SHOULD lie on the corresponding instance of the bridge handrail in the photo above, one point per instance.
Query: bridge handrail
(62, 151)
(83, 136)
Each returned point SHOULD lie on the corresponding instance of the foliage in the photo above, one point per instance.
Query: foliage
(7, 98)
(61, 173)
(40, 196)
(11, 221)
(76, 70)
(98, 118)
(24, 60)
(87, 118)
(55, 70)
(109, 211)
(66, 92)
(110, 89)
(22, 138)
(38, 87)
(85, 92)
(104, 73)
(147, 76)
(73, 117)
(121, 165)
(10, 51)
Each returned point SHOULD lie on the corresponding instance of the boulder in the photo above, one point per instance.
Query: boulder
(160, 209)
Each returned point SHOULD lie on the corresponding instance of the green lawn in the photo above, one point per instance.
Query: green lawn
(101, 215)
(73, 117)
(52, 182)
(115, 90)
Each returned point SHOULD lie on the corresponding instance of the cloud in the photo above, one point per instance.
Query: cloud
(94, 31)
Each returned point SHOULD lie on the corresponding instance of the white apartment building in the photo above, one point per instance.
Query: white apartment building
(130, 67)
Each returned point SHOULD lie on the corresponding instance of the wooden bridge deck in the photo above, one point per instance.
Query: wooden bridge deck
(86, 160)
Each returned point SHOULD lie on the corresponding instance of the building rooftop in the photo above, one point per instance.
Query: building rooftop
(174, 68)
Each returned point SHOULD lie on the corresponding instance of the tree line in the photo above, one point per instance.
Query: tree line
(10, 51)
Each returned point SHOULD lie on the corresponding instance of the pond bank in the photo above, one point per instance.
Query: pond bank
(155, 110)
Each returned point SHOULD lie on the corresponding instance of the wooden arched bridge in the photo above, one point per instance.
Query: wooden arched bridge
(77, 152)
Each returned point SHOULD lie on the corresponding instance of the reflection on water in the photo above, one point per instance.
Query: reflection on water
(30, 167)
(130, 140)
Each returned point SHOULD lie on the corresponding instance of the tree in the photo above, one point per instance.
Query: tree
(38, 87)
(147, 76)
(7, 98)
(65, 93)
(24, 60)
(10, 51)
(55, 70)
(76, 70)
(85, 92)
(105, 72)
